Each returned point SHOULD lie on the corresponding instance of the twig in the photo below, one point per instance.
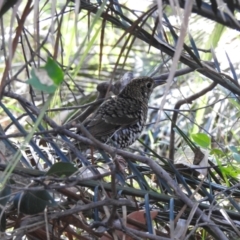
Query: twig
(26, 11)
(188, 100)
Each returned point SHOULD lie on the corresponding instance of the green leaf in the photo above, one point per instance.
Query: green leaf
(33, 202)
(202, 139)
(217, 152)
(62, 169)
(233, 149)
(230, 171)
(46, 78)
(54, 71)
(41, 81)
(236, 156)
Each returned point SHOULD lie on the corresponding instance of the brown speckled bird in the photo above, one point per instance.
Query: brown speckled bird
(119, 120)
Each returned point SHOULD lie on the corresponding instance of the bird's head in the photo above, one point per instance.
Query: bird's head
(139, 88)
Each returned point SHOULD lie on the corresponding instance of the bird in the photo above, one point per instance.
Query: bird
(120, 119)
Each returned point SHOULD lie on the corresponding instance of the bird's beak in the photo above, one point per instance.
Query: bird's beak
(159, 82)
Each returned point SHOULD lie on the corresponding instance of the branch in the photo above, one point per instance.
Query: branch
(156, 168)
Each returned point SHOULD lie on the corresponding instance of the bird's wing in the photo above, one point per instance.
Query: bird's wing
(101, 128)
(123, 111)
(113, 114)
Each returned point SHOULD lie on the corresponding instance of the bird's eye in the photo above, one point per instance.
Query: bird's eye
(149, 85)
